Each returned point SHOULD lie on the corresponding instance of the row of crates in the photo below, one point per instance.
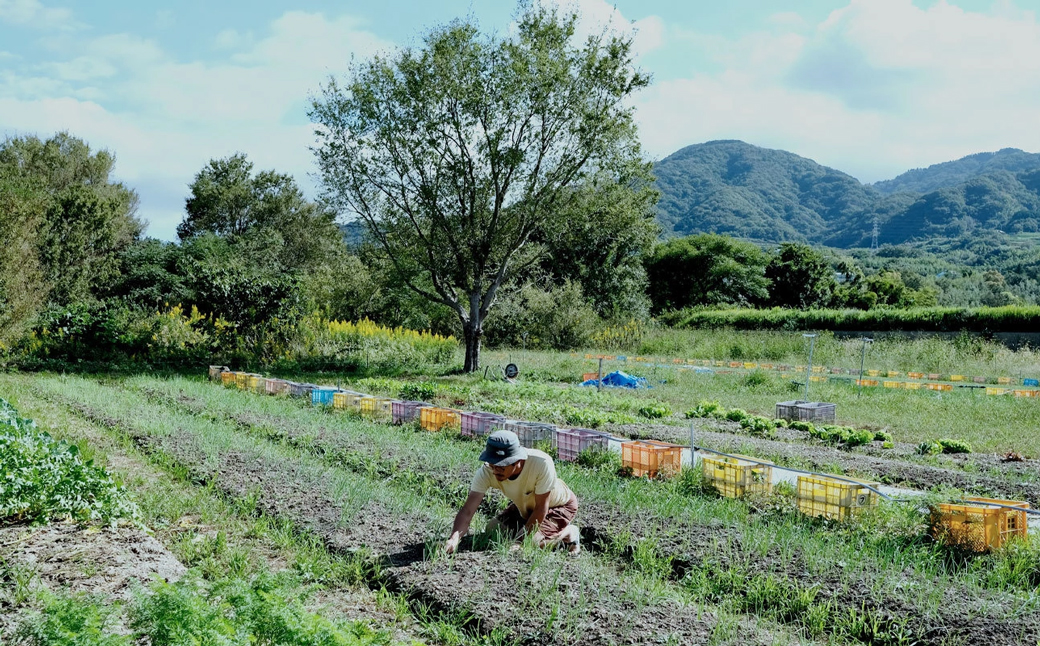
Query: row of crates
(977, 524)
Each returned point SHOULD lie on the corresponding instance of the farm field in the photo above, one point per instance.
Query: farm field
(665, 562)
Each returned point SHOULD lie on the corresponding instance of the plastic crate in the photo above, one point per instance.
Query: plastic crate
(476, 423)
(242, 379)
(956, 377)
(651, 458)
(867, 382)
(738, 476)
(1004, 381)
(893, 373)
(405, 411)
(215, 372)
(433, 418)
(570, 442)
(228, 378)
(873, 373)
(589, 376)
(978, 380)
(806, 411)
(980, 524)
(301, 390)
(893, 384)
(833, 498)
(915, 375)
(372, 405)
(276, 386)
(996, 391)
(532, 432)
(939, 387)
(345, 399)
(934, 376)
(322, 395)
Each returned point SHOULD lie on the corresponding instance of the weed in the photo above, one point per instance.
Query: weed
(70, 620)
(736, 414)
(929, 448)
(954, 446)
(655, 411)
(418, 391)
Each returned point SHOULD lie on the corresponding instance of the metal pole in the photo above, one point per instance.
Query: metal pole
(599, 375)
(808, 369)
(693, 448)
(863, 358)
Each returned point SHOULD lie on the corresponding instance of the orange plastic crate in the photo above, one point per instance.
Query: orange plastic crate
(738, 476)
(834, 498)
(651, 458)
(980, 524)
(433, 418)
(588, 376)
(915, 375)
(867, 382)
(228, 378)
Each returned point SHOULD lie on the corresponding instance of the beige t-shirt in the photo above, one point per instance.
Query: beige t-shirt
(537, 477)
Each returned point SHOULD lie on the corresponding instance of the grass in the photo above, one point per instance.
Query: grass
(886, 546)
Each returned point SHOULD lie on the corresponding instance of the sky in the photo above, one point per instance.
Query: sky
(869, 87)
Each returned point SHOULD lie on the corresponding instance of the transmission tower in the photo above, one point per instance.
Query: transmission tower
(873, 237)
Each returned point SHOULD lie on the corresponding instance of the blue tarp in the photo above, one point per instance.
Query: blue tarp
(618, 379)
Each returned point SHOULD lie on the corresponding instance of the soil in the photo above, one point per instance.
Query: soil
(109, 561)
(693, 546)
(871, 463)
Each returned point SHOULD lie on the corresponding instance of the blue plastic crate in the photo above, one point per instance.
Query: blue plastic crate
(322, 395)
(1031, 382)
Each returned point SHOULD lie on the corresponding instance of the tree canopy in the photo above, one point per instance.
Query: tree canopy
(706, 269)
(459, 153)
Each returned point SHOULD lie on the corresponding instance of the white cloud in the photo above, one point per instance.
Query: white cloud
(647, 33)
(31, 13)
(164, 118)
(878, 87)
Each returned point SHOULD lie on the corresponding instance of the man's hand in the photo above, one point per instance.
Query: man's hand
(452, 543)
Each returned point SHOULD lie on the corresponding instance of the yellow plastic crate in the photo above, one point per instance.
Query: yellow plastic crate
(873, 373)
(228, 378)
(816, 378)
(996, 391)
(766, 366)
(867, 382)
(915, 375)
(893, 384)
(344, 401)
(738, 476)
(1004, 380)
(651, 458)
(242, 379)
(912, 385)
(956, 377)
(433, 418)
(750, 366)
(253, 382)
(980, 524)
(894, 373)
(375, 405)
(833, 498)
(817, 368)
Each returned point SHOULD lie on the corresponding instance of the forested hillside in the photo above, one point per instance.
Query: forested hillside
(952, 173)
(775, 196)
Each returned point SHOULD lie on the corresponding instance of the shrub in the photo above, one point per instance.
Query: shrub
(418, 391)
(600, 459)
(954, 446)
(755, 378)
(655, 411)
(323, 344)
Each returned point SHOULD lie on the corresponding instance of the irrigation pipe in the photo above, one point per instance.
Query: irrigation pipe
(745, 458)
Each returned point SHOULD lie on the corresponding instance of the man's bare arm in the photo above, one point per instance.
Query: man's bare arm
(462, 520)
(541, 510)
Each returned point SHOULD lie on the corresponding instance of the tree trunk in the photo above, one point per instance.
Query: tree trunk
(472, 334)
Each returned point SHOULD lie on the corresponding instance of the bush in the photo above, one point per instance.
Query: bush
(364, 345)
(954, 446)
(44, 478)
(655, 411)
(755, 378)
(557, 317)
(600, 459)
(418, 391)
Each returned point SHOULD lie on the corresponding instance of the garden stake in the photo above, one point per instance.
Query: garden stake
(862, 358)
(808, 369)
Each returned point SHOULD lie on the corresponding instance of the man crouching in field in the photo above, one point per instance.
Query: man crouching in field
(541, 504)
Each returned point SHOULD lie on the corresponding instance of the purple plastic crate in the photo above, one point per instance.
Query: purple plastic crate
(570, 442)
(301, 390)
(477, 423)
(276, 386)
(531, 432)
(406, 411)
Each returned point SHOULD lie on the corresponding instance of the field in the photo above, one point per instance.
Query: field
(334, 519)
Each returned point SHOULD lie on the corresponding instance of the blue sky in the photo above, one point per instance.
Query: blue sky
(871, 87)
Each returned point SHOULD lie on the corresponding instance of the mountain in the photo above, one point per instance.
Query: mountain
(953, 173)
(765, 195)
(742, 190)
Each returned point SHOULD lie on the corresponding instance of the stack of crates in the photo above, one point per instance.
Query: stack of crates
(228, 378)
(434, 418)
(651, 458)
(834, 498)
(322, 395)
(476, 424)
(301, 390)
(402, 412)
(739, 475)
(531, 433)
(277, 386)
(570, 442)
(979, 524)
(215, 372)
(806, 411)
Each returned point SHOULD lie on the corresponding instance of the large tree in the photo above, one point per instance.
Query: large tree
(799, 277)
(706, 269)
(458, 153)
